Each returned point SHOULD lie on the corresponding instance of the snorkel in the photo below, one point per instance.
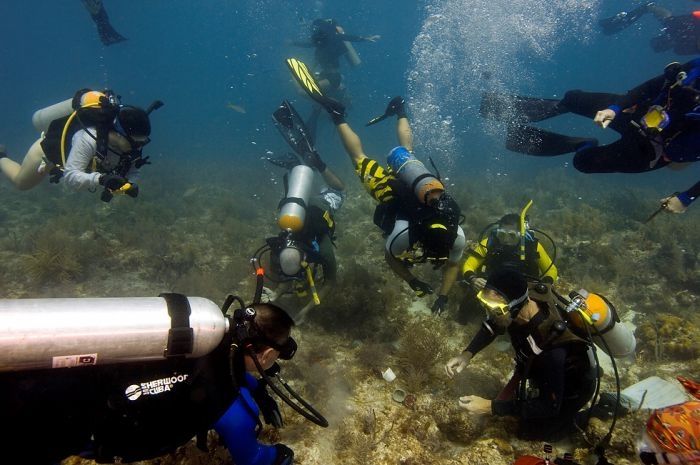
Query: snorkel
(523, 228)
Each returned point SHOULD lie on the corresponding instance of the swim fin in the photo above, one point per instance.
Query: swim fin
(536, 141)
(517, 109)
(306, 80)
(624, 19)
(395, 107)
(292, 128)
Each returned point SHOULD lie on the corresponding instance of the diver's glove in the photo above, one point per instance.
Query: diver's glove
(335, 109)
(420, 288)
(439, 305)
(112, 182)
(140, 161)
(313, 159)
(285, 455)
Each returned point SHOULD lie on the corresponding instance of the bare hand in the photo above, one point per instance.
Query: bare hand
(674, 204)
(456, 364)
(475, 405)
(478, 283)
(604, 117)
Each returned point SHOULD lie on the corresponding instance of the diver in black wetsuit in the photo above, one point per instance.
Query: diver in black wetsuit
(330, 43)
(555, 373)
(97, 11)
(658, 121)
(680, 33)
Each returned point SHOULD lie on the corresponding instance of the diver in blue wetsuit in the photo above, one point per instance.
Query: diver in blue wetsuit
(658, 121)
(142, 410)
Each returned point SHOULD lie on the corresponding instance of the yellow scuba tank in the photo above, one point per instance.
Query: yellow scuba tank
(413, 173)
(293, 207)
(587, 309)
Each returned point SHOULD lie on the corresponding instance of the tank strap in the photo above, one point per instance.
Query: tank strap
(181, 335)
(286, 200)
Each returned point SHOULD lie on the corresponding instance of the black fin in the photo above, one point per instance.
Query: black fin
(536, 141)
(517, 109)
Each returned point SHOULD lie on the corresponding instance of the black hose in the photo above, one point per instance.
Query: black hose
(312, 414)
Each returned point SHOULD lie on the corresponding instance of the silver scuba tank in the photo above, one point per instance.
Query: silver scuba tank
(413, 173)
(57, 333)
(42, 118)
(293, 207)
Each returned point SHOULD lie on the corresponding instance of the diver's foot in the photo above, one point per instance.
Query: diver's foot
(335, 109)
(396, 107)
(3, 151)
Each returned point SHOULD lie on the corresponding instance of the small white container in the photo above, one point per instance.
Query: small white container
(388, 375)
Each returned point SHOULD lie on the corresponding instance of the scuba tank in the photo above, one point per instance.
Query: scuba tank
(41, 119)
(58, 333)
(413, 173)
(293, 207)
(609, 333)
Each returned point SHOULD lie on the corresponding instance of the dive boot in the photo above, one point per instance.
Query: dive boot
(535, 141)
(395, 107)
(517, 109)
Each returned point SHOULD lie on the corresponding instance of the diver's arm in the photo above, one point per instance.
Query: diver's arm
(646, 91)
(544, 262)
(354, 38)
(332, 180)
(237, 428)
(83, 149)
(449, 276)
(398, 267)
(404, 133)
(475, 259)
(486, 335)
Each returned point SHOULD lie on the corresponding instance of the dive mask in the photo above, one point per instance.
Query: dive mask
(286, 350)
(492, 306)
(656, 119)
(507, 236)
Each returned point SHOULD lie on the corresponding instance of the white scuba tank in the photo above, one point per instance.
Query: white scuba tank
(413, 173)
(58, 333)
(293, 207)
(617, 335)
(42, 118)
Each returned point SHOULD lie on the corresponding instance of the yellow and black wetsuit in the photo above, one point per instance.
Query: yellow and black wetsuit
(489, 255)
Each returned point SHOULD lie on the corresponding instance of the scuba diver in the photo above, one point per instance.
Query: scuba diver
(678, 33)
(556, 370)
(501, 245)
(418, 217)
(126, 399)
(672, 433)
(97, 11)
(307, 222)
(90, 141)
(330, 44)
(658, 121)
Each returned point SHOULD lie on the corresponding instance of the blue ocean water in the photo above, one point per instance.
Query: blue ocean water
(199, 57)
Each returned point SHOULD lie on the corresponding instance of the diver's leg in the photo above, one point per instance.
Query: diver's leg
(26, 175)
(352, 143)
(587, 103)
(325, 250)
(660, 13)
(629, 154)
(539, 142)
